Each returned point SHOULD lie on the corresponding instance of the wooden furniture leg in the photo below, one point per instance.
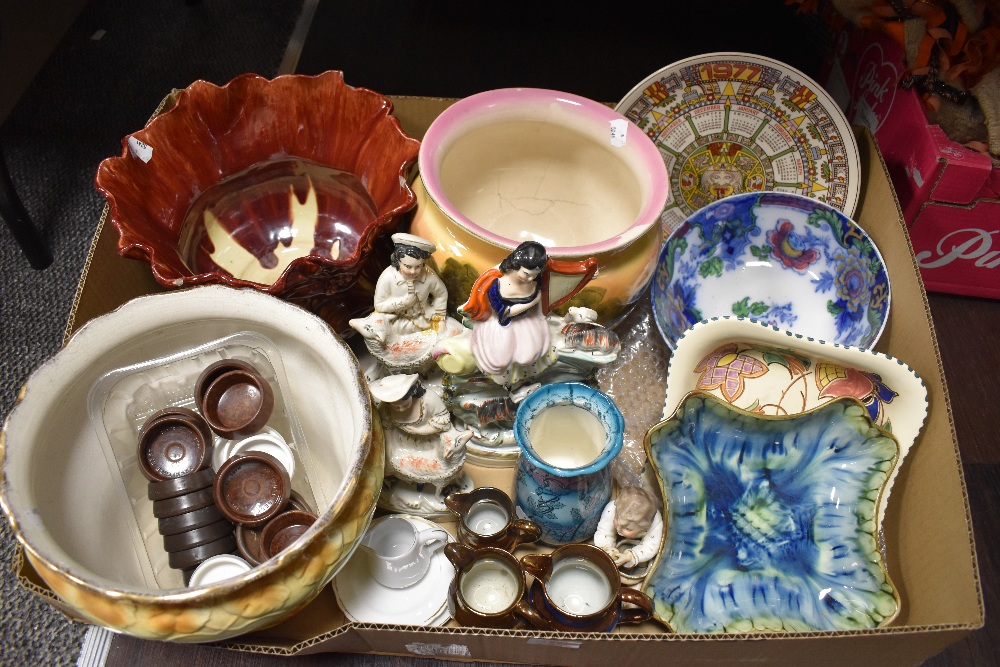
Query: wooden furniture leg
(14, 214)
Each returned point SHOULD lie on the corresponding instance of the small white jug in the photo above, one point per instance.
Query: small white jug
(398, 553)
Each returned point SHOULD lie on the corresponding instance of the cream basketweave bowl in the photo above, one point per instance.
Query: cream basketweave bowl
(526, 164)
(72, 489)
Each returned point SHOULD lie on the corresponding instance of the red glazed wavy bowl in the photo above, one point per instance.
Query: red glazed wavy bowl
(276, 138)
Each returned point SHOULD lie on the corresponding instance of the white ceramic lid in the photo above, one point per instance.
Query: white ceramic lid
(270, 442)
(218, 568)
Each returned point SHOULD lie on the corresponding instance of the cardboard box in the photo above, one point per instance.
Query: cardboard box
(948, 192)
(928, 533)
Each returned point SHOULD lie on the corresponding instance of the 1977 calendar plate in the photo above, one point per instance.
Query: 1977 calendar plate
(727, 123)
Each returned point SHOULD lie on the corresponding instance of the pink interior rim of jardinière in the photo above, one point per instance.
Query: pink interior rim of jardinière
(582, 115)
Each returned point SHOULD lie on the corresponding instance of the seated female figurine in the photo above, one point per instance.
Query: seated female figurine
(510, 337)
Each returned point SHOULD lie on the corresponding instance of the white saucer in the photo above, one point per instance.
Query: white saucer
(364, 600)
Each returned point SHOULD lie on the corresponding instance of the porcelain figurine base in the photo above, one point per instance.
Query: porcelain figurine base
(410, 353)
(421, 499)
(636, 573)
(579, 346)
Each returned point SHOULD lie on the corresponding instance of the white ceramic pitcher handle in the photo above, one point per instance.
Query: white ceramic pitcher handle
(431, 538)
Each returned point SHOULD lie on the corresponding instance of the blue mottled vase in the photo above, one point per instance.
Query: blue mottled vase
(568, 434)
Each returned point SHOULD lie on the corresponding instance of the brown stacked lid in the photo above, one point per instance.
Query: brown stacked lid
(235, 400)
(249, 540)
(196, 508)
(175, 448)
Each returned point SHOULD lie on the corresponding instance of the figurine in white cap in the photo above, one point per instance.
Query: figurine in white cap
(422, 445)
(411, 303)
(407, 403)
(413, 296)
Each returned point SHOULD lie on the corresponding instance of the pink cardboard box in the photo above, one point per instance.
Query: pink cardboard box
(948, 193)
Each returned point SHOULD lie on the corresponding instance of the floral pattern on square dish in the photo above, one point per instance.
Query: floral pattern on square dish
(769, 371)
(771, 521)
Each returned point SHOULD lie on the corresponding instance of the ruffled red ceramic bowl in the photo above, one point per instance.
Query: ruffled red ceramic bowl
(289, 185)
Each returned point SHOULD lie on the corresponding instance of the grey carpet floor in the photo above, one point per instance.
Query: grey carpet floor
(94, 89)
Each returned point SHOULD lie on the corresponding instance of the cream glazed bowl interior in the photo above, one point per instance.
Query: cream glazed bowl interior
(773, 372)
(512, 165)
(75, 497)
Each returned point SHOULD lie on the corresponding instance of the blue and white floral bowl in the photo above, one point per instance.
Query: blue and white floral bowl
(782, 259)
(771, 521)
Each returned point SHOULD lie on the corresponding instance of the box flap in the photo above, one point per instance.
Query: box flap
(963, 173)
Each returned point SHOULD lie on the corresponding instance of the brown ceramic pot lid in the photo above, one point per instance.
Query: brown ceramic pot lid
(238, 403)
(213, 371)
(186, 413)
(197, 537)
(191, 558)
(189, 502)
(248, 539)
(170, 488)
(282, 530)
(248, 544)
(189, 521)
(170, 446)
(251, 488)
